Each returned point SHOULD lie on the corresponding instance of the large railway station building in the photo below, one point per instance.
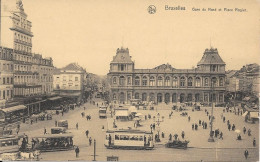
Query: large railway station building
(165, 83)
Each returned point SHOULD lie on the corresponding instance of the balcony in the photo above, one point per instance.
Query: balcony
(23, 72)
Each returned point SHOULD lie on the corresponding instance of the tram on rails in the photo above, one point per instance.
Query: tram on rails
(54, 142)
(9, 144)
(129, 139)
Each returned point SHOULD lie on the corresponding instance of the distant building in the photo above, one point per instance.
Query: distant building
(248, 79)
(165, 83)
(69, 81)
(232, 82)
(6, 74)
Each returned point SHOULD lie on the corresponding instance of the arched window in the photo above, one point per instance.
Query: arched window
(137, 96)
(122, 80)
(174, 97)
(137, 80)
(114, 96)
(175, 82)
(160, 81)
(144, 81)
(182, 83)
(189, 98)
(197, 82)
(114, 79)
(152, 81)
(129, 80)
(197, 97)
(221, 82)
(206, 82)
(167, 81)
(190, 81)
(214, 81)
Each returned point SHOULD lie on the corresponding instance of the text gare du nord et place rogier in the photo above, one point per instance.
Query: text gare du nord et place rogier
(220, 9)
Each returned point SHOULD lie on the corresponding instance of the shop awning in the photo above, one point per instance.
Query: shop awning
(14, 108)
(121, 113)
(55, 98)
(254, 115)
(244, 115)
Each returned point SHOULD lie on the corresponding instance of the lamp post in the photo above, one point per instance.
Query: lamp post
(211, 138)
(158, 121)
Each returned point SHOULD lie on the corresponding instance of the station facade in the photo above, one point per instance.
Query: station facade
(165, 83)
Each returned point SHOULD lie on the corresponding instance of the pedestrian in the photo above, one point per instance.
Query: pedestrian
(175, 136)
(77, 152)
(209, 117)
(206, 125)
(254, 142)
(229, 127)
(192, 126)
(87, 133)
(227, 122)
(189, 118)
(170, 137)
(224, 118)
(207, 113)
(31, 121)
(233, 127)
(36, 119)
(196, 126)
(56, 123)
(221, 135)
(151, 126)
(203, 124)
(182, 134)
(244, 130)
(246, 153)
(45, 131)
(90, 141)
(249, 132)
(77, 126)
(162, 135)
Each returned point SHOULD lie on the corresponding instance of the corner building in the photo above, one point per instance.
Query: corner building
(165, 83)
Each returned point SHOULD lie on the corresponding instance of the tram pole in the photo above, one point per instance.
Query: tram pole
(94, 150)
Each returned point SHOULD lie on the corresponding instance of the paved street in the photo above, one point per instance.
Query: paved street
(228, 149)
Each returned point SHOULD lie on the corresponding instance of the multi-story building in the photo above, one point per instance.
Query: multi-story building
(32, 73)
(6, 74)
(69, 81)
(27, 77)
(165, 83)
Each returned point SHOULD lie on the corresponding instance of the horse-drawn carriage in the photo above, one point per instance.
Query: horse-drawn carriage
(177, 144)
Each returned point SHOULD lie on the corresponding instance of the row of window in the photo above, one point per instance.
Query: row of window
(6, 54)
(32, 79)
(5, 94)
(6, 67)
(183, 97)
(71, 78)
(31, 59)
(167, 81)
(22, 48)
(27, 91)
(22, 37)
(6, 80)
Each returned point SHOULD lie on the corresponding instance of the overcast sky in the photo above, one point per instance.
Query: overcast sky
(90, 31)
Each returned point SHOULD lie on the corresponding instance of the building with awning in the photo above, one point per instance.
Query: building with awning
(122, 114)
(12, 114)
(55, 98)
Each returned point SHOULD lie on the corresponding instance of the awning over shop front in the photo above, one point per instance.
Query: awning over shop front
(244, 115)
(55, 98)
(121, 113)
(254, 114)
(14, 108)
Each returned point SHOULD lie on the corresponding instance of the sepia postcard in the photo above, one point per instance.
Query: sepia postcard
(129, 80)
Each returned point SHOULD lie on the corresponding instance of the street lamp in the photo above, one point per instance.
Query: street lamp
(158, 121)
(213, 82)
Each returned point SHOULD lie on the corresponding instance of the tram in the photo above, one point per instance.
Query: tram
(103, 112)
(54, 142)
(9, 144)
(129, 139)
